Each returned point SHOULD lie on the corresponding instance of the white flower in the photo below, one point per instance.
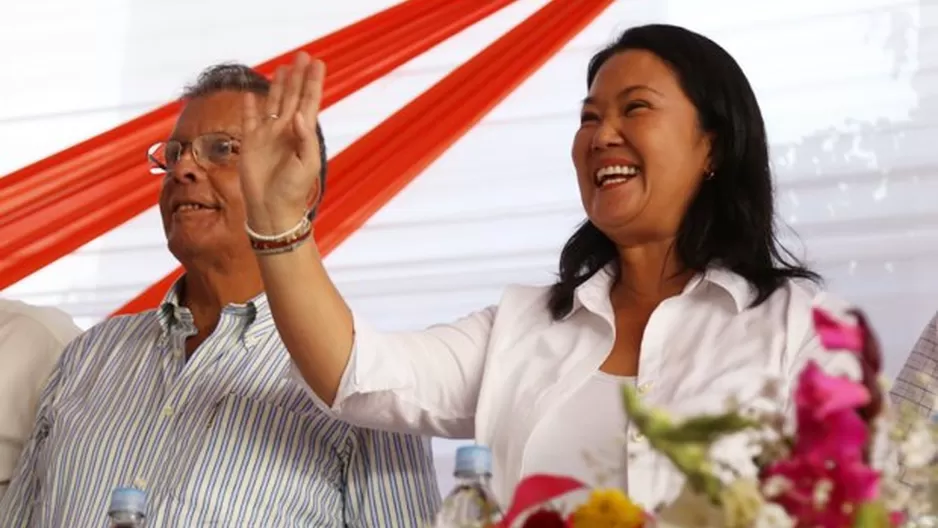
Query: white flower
(773, 516)
(688, 510)
(918, 448)
(775, 486)
(742, 503)
(822, 493)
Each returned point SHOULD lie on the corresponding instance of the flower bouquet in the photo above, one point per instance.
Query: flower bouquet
(818, 475)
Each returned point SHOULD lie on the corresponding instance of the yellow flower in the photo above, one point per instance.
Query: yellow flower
(608, 508)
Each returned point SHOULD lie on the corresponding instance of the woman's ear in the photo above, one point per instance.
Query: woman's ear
(712, 161)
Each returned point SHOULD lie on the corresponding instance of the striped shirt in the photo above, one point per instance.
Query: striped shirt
(918, 380)
(225, 438)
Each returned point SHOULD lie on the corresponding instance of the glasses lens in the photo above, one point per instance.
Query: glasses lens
(156, 154)
(172, 151)
(217, 149)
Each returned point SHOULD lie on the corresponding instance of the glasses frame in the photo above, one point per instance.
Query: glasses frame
(160, 168)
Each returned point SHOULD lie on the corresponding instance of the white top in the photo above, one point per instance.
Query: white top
(585, 437)
(495, 376)
(31, 340)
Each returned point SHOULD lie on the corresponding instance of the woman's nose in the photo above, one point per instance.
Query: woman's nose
(606, 135)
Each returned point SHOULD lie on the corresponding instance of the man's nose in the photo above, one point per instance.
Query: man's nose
(186, 170)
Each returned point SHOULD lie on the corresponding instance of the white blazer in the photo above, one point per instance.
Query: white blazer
(31, 340)
(494, 376)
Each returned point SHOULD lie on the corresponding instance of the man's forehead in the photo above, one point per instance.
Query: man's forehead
(219, 112)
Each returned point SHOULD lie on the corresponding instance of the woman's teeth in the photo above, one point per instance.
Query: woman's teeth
(615, 174)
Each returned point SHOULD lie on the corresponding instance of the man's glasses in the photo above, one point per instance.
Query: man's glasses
(216, 149)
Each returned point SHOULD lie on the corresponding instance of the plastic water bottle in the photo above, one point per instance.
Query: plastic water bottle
(471, 504)
(128, 508)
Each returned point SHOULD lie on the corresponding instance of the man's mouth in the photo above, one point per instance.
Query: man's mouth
(191, 207)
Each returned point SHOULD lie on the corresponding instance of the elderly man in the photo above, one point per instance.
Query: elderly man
(31, 340)
(918, 380)
(192, 402)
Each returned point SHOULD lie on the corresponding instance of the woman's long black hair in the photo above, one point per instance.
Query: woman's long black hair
(732, 219)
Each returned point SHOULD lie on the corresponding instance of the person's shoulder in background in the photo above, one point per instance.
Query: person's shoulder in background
(32, 339)
(56, 323)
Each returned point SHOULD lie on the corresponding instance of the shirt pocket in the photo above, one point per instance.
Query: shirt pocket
(264, 464)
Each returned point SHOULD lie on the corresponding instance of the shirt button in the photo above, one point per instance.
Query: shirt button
(250, 341)
(643, 388)
(140, 483)
(177, 353)
(167, 411)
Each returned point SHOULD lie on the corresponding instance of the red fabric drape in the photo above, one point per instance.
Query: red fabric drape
(56, 205)
(366, 175)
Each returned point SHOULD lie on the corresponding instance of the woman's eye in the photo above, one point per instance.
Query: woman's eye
(588, 117)
(632, 106)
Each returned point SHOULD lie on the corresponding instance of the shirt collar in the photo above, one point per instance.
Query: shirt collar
(594, 293)
(172, 313)
(737, 287)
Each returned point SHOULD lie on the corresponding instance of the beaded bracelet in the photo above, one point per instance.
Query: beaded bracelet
(282, 243)
(300, 226)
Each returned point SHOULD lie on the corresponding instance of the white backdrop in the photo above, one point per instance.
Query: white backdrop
(848, 88)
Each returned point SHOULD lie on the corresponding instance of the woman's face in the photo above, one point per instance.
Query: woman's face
(639, 154)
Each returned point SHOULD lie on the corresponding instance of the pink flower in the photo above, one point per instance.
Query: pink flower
(822, 395)
(546, 519)
(843, 433)
(826, 414)
(827, 474)
(836, 335)
(824, 490)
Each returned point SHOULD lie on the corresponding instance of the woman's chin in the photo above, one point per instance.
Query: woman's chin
(613, 222)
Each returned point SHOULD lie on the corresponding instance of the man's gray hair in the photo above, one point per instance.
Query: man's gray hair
(227, 77)
(235, 77)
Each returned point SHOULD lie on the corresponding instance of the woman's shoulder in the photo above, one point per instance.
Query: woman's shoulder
(802, 295)
(524, 299)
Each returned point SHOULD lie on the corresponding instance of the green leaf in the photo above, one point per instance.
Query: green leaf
(707, 429)
(871, 515)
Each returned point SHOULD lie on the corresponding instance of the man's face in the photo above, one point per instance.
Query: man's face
(200, 201)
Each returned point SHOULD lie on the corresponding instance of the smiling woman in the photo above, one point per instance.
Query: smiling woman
(677, 112)
(675, 283)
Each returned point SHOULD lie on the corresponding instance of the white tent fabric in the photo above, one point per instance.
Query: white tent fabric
(848, 89)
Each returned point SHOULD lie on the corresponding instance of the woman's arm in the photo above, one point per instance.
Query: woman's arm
(313, 319)
(279, 173)
(423, 382)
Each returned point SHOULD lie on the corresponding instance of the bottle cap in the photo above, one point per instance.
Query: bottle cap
(128, 500)
(473, 460)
